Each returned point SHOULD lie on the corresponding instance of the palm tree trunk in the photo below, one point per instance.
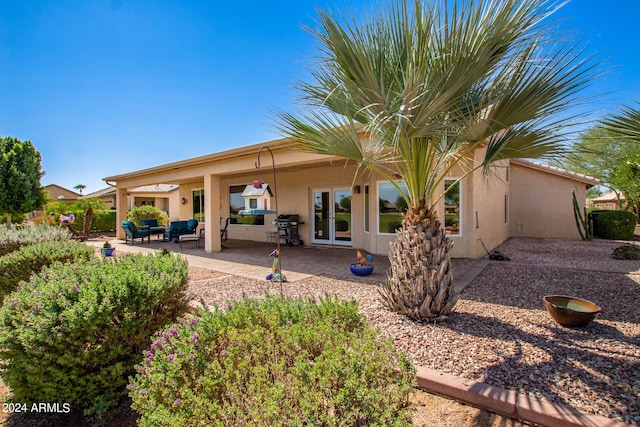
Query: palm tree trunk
(88, 217)
(420, 279)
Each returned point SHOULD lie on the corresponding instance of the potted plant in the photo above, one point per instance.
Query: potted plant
(107, 250)
(363, 265)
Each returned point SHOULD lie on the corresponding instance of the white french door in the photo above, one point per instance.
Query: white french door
(331, 224)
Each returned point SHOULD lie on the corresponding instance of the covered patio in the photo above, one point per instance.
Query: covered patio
(251, 260)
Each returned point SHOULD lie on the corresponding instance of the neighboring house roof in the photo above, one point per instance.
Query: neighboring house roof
(589, 180)
(609, 197)
(101, 193)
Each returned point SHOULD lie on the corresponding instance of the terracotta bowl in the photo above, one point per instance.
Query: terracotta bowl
(571, 311)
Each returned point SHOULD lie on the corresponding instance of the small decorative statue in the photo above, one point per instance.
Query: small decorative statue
(276, 275)
(363, 265)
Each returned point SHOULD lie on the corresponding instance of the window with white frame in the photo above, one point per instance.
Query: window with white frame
(236, 204)
(452, 207)
(506, 208)
(197, 198)
(366, 208)
(391, 207)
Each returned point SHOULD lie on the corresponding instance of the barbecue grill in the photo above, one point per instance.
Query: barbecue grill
(288, 229)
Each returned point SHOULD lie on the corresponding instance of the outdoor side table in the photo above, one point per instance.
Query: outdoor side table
(189, 238)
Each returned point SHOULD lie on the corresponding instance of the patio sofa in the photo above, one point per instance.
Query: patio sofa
(178, 228)
(132, 232)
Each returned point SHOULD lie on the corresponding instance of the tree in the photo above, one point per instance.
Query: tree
(20, 174)
(412, 91)
(610, 152)
(625, 125)
(80, 187)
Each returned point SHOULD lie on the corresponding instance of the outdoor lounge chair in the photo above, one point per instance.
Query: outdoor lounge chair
(132, 232)
(176, 229)
(192, 226)
(154, 228)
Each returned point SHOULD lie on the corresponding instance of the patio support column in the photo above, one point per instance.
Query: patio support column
(212, 201)
(121, 211)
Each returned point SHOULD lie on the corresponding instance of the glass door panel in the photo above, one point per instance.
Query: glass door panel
(332, 216)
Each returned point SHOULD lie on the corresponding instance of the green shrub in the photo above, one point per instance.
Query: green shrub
(104, 220)
(626, 252)
(618, 225)
(12, 239)
(276, 362)
(138, 213)
(74, 332)
(21, 264)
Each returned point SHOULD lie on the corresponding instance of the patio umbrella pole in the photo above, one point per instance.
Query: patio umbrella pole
(275, 196)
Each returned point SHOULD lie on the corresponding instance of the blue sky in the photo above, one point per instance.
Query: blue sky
(103, 87)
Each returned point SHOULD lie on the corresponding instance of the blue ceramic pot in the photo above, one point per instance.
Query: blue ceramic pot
(107, 251)
(361, 270)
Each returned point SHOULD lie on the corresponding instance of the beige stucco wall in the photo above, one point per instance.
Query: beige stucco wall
(539, 202)
(542, 204)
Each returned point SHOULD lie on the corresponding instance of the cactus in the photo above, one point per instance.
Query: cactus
(582, 221)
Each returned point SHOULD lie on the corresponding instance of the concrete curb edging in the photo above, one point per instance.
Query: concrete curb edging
(507, 402)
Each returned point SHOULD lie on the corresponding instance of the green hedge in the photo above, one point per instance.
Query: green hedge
(617, 225)
(277, 362)
(12, 239)
(138, 213)
(104, 220)
(21, 264)
(74, 332)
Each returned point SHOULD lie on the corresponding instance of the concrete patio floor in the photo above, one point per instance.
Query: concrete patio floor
(251, 259)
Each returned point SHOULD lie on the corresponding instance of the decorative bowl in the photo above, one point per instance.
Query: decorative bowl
(361, 270)
(571, 311)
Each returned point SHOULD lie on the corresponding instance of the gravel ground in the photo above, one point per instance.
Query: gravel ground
(500, 332)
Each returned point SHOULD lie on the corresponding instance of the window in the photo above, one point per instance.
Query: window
(506, 208)
(391, 207)
(236, 204)
(366, 208)
(452, 207)
(197, 197)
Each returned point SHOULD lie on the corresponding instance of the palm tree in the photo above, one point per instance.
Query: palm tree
(412, 91)
(80, 187)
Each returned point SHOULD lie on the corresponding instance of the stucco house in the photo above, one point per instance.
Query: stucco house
(58, 193)
(610, 201)
(335, 209)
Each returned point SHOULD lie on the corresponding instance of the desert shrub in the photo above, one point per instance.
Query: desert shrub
(74, 332)
(277, 362)
(12, 239)
(138, 213)
(618, 225)
(626, 252)
(21, 264)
